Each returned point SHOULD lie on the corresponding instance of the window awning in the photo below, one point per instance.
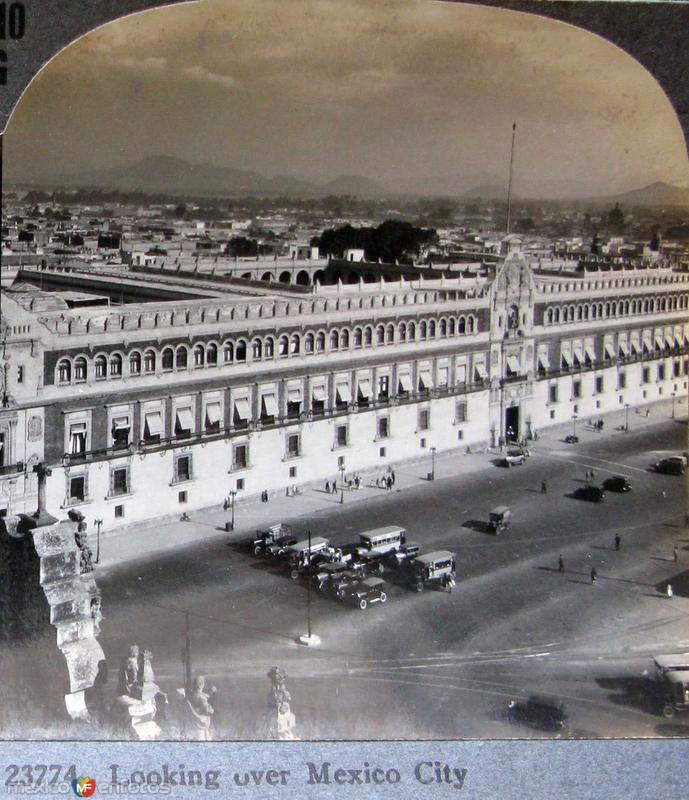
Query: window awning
(543, 360)
(343, 393)
(185, 420)
(241, 408)
(679, 337)
(610, 349)
(294, 395)
(270, 406)
(154, 423)
(567, 357)
(364, 387)
(213, 413)
(659, 340)
(624, 347)
(481, 371)
(513, 364)
(669, 339)
(77, 427)
(119, 423)
(318, 393)
(636, 345)
(590, 352)
(443, 376)
(405, 382)
(425, 378)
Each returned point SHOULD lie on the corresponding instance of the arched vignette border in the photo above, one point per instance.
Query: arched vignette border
(655, 34)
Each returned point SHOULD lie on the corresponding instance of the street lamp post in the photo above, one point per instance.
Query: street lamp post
(626, 416)
(574, 426)
(98, 522)
(432, 475)
(233, 494)
(342, 474)
(673, 404)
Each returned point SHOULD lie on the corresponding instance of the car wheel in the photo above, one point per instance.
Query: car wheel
(383, 597)
(294, 574)
(362, 604)
(419, 587)
(668, 711)
(257, 551)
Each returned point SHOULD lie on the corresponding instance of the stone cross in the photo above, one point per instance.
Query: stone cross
(43, 473)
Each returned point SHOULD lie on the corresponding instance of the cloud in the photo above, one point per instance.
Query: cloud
(202, 75)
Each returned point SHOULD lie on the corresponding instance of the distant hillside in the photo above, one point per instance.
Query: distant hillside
(655, 194)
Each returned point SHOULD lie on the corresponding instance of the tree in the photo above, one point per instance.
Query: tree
(242, 247)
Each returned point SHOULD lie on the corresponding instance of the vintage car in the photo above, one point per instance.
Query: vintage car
(303, 553)
(592, 493)
(674, 465)
(538, 712)
(514, 457)
(363, 592)
(499, 519)
(572, 439)
(617, 483)
(269, 536)
(437, 567)
(672, 683)
(401, 556)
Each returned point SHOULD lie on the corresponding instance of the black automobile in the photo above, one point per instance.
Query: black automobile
(543, 713)
(618, 483)
(572, 439)
(675, 465)
(364, 592)
(592, 493)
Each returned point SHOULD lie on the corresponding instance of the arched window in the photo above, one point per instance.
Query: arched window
(580, 312)
(240, 351)
(586, 312)
(149, 361)
(64, 371)
(380, 334)
(212, 354)
(462, 327)
(320, 342)
(295, 344)
(334, 340)
(402, 332)
(80, 368)
(411, 331)
(283, 346)
(269, 349)
(368, 336)
(556, 315)
(443, 328)
(101, 366)
(256, 349)
(115, 365)
(228, 352)
(135, 363)
(344, 339)
(451, 326)
(390, 334)
(308, 343)
(181, 357)
(423, 329)
(168, 358)
(357, 337)
(470, 324)
(431, 329)
(199, 355)
(549, 316)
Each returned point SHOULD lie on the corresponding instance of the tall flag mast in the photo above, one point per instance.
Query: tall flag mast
(509, 184)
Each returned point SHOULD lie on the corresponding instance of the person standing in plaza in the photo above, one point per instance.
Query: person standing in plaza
(675, 554)
(618, 541)
(594, 575)
(560, 564)
(544, 488)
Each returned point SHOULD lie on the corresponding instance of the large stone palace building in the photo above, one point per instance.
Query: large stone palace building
(154, 394)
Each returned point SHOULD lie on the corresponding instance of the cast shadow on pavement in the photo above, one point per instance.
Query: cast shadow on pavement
(633, 691)
(477, 525)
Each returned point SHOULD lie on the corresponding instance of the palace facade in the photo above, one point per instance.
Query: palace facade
(149, 395)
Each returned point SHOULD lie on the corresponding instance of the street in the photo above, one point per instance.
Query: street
(441, 665)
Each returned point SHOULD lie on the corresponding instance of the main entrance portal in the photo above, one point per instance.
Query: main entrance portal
(512, 424)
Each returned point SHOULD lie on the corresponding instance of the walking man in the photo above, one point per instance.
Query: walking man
(669, 592)
(675, 555)
(327, 487)
(544, 488)
(594, 575)
(392, 476)
(560, 564)
(618, 541)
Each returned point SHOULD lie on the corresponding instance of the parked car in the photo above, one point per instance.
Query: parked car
(514, 459)
(572, 439)
(280, 545)
(592, 493)
(499, 519)
(363, 592)
(618, 483)
(267, 536)
(674, 465)
(538, 712)
(437, 567)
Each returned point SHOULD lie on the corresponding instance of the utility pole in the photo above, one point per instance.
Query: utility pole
(509, 182)
(186, 655)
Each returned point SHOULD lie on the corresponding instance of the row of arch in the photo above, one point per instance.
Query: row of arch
(622, 308)
(182, 357)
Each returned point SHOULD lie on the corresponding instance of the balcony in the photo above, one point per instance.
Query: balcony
(12, 469)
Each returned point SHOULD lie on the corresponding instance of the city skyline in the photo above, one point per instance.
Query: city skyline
(399, 92)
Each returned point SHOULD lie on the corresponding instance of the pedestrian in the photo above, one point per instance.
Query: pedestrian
(618, 541)
(265, 491)
(648, 411)
(392, 478)
(663, 494)
(560, 564)
(544, 488)
(675, 554)
(594, 574)
(669, 592)
(593, 476)
(389, 482)
(327, 487)
(601, 423)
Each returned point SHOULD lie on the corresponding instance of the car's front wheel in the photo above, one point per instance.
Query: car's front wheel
(383, 597)
(363, 604)
(419, 587)
(668, 711)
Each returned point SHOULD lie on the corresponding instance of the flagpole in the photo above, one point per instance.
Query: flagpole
(509, 183)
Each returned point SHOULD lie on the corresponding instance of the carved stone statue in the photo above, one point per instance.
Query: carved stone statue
(200, 708)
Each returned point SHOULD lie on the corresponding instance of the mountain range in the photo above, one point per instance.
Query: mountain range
(169, 174)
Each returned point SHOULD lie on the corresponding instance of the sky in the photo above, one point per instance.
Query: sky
(389, 89)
